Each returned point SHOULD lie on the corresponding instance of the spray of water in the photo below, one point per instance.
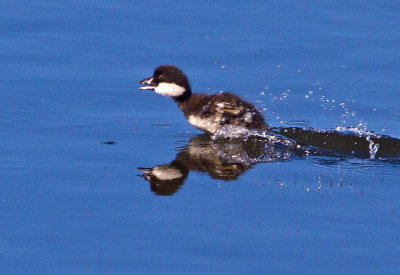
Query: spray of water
(373, 148)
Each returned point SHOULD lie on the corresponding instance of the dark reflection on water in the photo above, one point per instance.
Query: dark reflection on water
(221, 159)
(227, 159)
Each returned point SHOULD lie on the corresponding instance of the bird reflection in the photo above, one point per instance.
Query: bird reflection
(227, 159)
(221, 159)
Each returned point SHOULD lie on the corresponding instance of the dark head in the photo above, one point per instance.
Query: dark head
(169, 81)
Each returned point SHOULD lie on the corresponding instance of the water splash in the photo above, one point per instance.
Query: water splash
(359, 130)
(275, 146)
(283, 142)
(239, 132)
(373, 148)
(231, 132)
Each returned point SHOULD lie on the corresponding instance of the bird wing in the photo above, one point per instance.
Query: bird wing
(233, 108)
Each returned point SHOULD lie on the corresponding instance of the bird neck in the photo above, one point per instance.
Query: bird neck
(185, 96)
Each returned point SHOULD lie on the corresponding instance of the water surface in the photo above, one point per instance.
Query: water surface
(75, 129)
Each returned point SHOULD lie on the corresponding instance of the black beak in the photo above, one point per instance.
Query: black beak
(148, 82)
(145, 170)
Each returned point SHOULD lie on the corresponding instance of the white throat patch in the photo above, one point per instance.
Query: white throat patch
(169, 89)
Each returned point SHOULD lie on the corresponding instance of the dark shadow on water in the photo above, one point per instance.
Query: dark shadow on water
(227, 159)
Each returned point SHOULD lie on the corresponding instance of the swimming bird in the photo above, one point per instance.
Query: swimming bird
(205, 112)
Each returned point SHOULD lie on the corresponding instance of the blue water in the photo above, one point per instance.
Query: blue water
(70, 203)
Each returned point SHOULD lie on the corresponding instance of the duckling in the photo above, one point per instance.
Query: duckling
(203, 111)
